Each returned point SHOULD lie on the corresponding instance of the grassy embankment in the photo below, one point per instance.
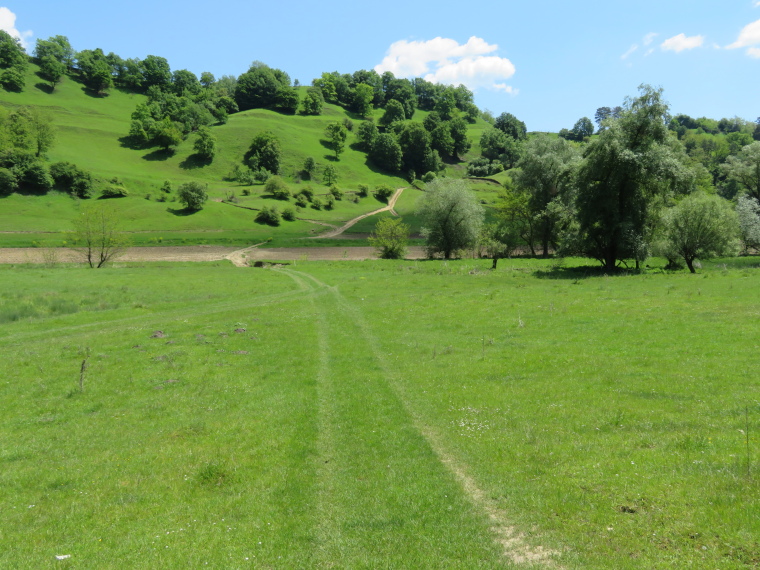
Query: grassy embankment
(377, 414)
(89, 133)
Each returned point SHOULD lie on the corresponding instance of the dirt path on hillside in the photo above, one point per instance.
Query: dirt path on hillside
(349, 223)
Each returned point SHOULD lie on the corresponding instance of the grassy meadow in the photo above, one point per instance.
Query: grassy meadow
(379, 414)
(90, 133)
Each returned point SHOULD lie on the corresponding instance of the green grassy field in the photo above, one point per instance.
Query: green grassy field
(89, 130)
(379, 414)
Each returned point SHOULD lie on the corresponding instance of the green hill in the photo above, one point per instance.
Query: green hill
(90, 134)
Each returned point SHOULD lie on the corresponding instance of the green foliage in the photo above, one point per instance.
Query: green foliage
(748, 212)
(307, 192)
(265, 152)
(8, 182)
(72, 179)
(394, 112)
(329, 201)
(700, 226)
(166, 135)
(309, 167)
(386, 152)
(451, 216)
(289, 214)
(205, 144)
(114, 191)
(313, 102)
(193, 195)
(268, 215)
(336, 192)
(13, 62)
(362, 99)
(97, 235)
(481, 167)
(390, 238)
(744, 168)
(498, 146)
(383, 192)
(336, 135)
(286, 100)
(277, 188)
(511, 126)
(37, 177)
(329, 175)
(625, 170)
(259, 86)
(363, 190)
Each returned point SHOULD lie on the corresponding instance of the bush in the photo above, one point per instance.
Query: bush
(389, 238)
(116, 191)
(363, 190)
(166, 187)
(193, 195)
(277, 188)
(260, 176)
(353, 198)
(8, 182)
(383, 192)
(37, 177)
(72, 179)
(289, 214)
(307, 193)
(301, 201)
(316, 203)
(428, 177)
(336, 192)
(268, 215)
(329, 202)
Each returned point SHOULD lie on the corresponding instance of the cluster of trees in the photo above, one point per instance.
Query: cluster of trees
(415, 148)
(363, 90)
(13, 62)
(629, 192)
(26, 134)
(501, 146)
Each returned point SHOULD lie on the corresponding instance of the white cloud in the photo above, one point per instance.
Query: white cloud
(443, 60)
(631, 49)
(754, 52)
(649, 38)
(749, 36)
(680, 43)
(8, 23)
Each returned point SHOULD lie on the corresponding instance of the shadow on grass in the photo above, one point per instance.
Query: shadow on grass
(181, 211)
(581, 272)
(159, 154)
(194, 161)
(45, 88)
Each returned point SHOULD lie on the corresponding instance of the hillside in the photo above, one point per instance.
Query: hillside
(90, 134)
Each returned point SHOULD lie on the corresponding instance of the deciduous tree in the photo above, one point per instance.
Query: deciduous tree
(97, 236)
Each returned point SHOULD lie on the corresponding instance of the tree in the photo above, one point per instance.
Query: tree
(366, 134)
(394, 111)
(744, 168)
(166, 135)
(277, 188)
(156, 71)
(498, 240)
(309, 166)
(313, 102)
(511, 126)
(458, 128)
(389, 238)
(193, 195)
(748, 212)
(699, 227)
(386, 152)
(265, 152)
(418, 155)
(546, 172)
(12, 53)
(52, 69)
(451, 216)
(630, 165)
(336, 135)
(363, 96)
(97, 235)
(185, 81)
(286, 99)
(496, 145)
(583, 129)
(258, 87)
(205, 144)
(329, 175)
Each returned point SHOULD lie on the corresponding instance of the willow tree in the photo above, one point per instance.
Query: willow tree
(626, 171)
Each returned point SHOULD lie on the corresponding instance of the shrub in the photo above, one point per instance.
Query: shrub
(353, 198)
(329, 202)
(260, 176)
(428, 177)
(72, 179)
(277, 188)
(37, 177)
(363, 191)
(301, 201)
(268, 215)
(307, 193)
(316, 203)
(289, 214)
(166, 187)
(193, 195)
(115, 191)
(336, 192)
(8, 181)
(389, 238)
(383, 192)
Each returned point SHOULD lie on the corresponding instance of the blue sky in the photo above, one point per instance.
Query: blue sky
(547, 62)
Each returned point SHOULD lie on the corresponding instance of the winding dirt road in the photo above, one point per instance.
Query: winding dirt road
(349, 223)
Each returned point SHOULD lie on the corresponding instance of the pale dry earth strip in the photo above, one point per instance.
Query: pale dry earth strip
(348, 224)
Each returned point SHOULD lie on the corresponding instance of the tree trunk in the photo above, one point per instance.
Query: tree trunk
(495, 260)
(690, 265)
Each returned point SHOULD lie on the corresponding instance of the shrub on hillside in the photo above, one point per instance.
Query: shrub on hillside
(307, 193)
(329, 202)
(268, 215)
(116, 191)
(8, 182)
(301, 201)
(193, 195)
(289, 214)
(316, 203)
(37, 177)
(336, 192)
(383, 192)
(277, 188)
(363, 191)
